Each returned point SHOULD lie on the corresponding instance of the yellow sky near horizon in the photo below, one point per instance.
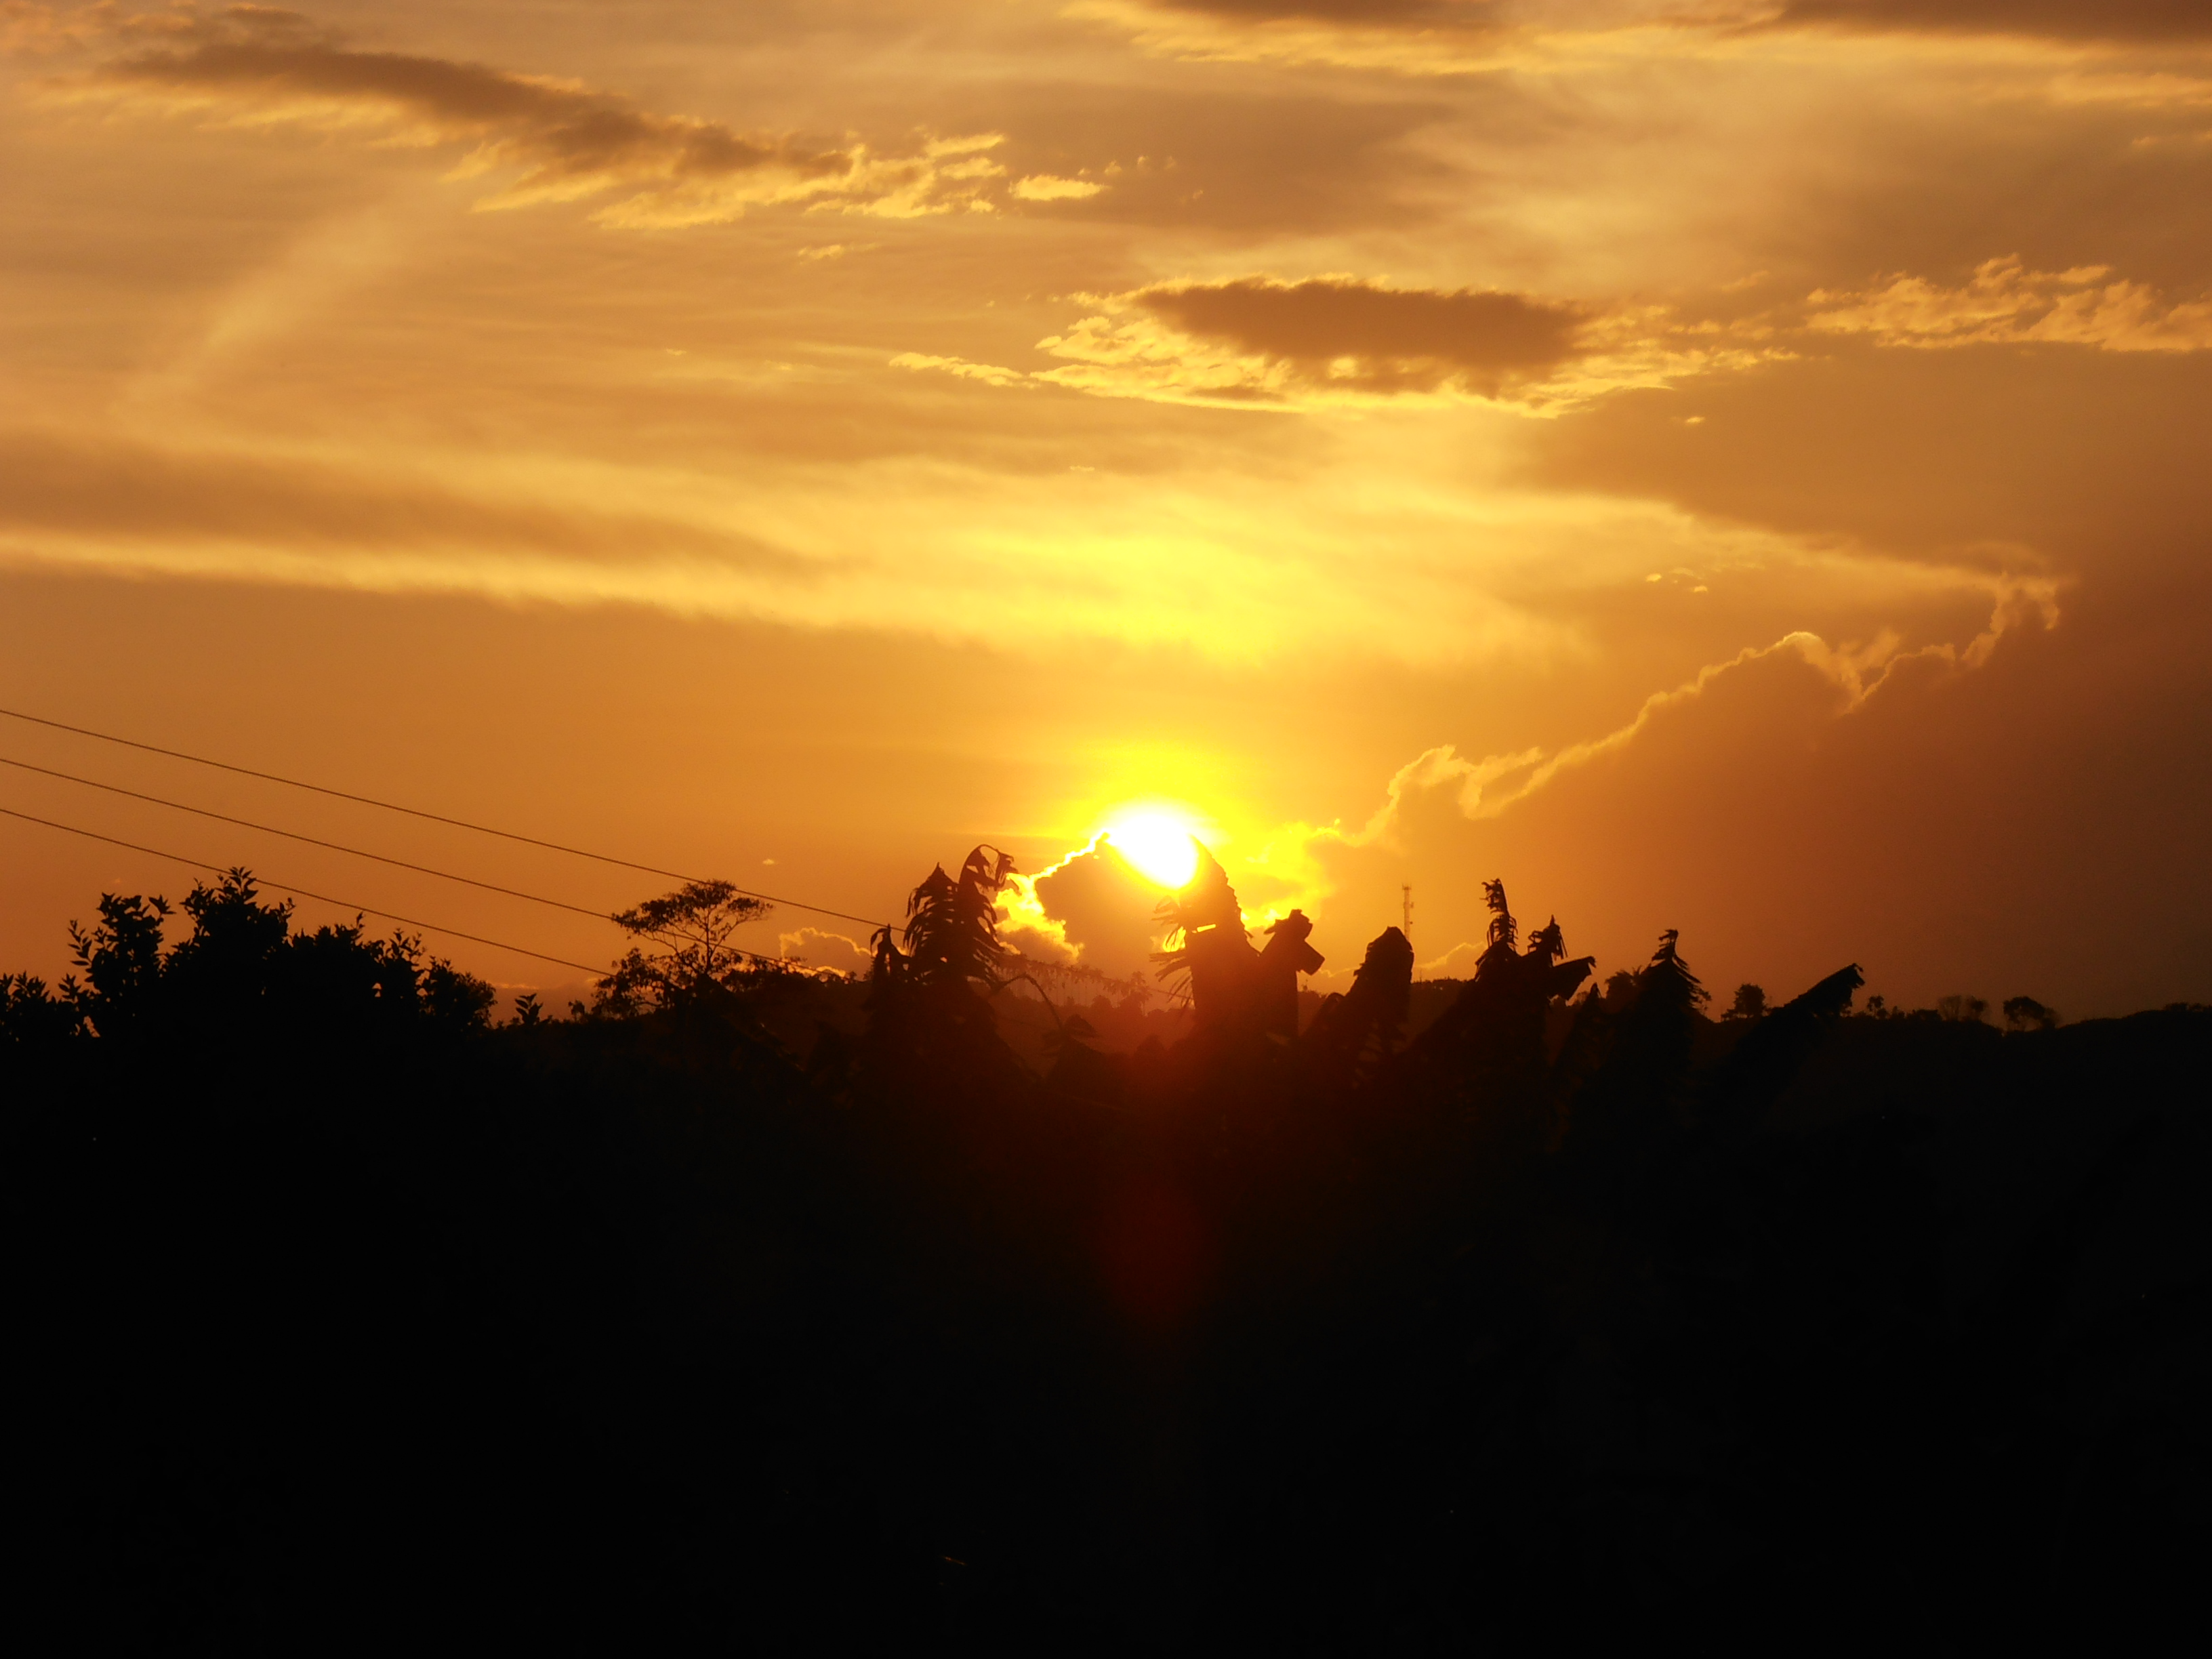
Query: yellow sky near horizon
(1735, 468)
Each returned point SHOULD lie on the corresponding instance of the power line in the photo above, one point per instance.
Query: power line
(312, 840)
(343, 904)
(301, 892)
(434, 818)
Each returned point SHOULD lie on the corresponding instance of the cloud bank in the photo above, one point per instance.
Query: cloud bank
(1275, 342)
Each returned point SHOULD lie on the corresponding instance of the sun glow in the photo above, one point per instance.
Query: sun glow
(1158, 845)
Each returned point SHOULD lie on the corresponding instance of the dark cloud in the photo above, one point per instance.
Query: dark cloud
(569, 138)
(1385, 12)
(1395, 337)
(2070, 19)
(1103, 907)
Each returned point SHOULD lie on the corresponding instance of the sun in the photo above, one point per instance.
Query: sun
(1158, 845)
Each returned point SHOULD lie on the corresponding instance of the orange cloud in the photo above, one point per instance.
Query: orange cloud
(2066, 20)
(2005, 304)
(1418, 36)
(1385, 14)
(1490, 787)
(1049, 187)
(1275, 342)
(2111, 19)
(1560, 38)
(564, 140)
(818, 949)
(72, 487)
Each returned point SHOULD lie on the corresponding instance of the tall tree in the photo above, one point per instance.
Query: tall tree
(691, 932)
(951, 933)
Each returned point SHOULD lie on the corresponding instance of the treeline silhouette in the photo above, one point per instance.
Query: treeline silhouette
(752, 1307)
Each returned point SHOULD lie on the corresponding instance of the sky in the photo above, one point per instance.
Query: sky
(1733, 465)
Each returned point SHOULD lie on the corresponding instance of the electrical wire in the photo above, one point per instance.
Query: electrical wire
(302, 892)
(1070, 968)
(434, 818)
(344, 904)
(312, 840)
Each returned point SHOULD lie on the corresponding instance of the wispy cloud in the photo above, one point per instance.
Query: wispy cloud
(31, 28)
(1421, 37)
(1488, 787)
(1441, 783)
(2062, 19)
(1266, 341)
(2039, 38)
(554, 140)
(78, 489)
(1050, 187)
(2004, 303)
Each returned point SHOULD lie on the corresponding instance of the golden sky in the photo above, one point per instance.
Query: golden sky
(1716, 463)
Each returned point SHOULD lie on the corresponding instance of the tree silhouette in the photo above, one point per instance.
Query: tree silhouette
(691, 929)
(1206, 954)
(1601, 1322)
(952, 935)
(1504, 931)
(930, 1028)
(34, 1022)
(1274, 974)
(1488, 1052)
(1635, 1096)
(1750, 1003)
(120, 956)
(1353, 1032)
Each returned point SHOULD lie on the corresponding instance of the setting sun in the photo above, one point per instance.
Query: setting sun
(1158, 846)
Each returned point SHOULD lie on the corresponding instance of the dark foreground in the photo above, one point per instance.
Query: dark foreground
(338, 1319)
